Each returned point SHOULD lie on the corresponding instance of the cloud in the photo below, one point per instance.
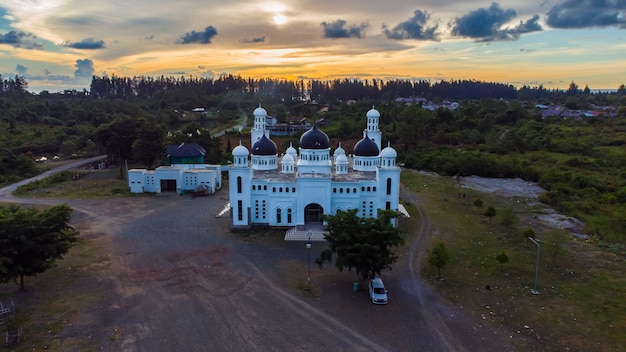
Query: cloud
(413, 28)
(587, 13)
(198, 37)
(334, 30)
(485, 25)
(86, 44)
(254, 40)
(84, 68)
(21, 70)
(20, 40)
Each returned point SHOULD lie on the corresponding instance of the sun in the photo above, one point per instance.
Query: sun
(279, 19)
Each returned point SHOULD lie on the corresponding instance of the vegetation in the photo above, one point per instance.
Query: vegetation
(438, 257)
(32, 240)
(363, 244)
(581, 297)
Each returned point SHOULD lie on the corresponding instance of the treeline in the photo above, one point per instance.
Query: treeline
(13, 85)
(299, 90)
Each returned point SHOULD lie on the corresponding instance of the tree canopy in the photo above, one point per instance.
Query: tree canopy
(363, 244)
(31, 240)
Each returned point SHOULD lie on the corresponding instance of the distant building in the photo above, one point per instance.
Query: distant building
(187, 173)
(297, 188)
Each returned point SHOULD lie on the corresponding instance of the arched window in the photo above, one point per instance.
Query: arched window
(239, 186)
(389, 186)
(278, 216)
(289, 215)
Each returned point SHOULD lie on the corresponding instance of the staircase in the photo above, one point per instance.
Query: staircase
(302, 233)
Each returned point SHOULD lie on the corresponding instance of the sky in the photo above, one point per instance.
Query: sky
(61, 44)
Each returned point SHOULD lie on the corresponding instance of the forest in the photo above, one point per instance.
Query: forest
(496, 130)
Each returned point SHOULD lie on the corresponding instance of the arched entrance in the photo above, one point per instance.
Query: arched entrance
(313, 213)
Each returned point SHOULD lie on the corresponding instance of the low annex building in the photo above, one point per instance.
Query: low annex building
(295, 189)
(186, 173)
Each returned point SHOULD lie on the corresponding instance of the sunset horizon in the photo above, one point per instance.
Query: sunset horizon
(62, 44)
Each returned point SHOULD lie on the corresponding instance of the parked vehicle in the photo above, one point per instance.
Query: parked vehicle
(378, 292)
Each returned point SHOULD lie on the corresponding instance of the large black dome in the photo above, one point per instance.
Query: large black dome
(366, 147)
(314, 139)
(264, 146)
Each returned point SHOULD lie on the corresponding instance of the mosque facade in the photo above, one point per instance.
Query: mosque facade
(296, 188)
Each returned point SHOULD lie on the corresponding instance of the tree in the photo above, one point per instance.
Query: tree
(508, 217)
(364, 244)
(478, 203)
(528, 232)
(438, 257)
(554, 242)
(490, 212)
(502, 258)
(32, 240)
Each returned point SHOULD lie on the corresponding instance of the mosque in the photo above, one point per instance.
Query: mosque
(297, 188)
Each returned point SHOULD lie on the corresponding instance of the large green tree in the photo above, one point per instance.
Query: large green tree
(363, 244)
(31, 240)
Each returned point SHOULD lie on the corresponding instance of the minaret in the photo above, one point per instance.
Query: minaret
(373, 117)
(239, 179)
(388, 176)
(258, 130)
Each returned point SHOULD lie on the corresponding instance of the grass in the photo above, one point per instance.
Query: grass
(51, 301)
(98, 184)
(582, 300)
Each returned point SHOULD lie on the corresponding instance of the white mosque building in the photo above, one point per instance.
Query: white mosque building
(295, 189)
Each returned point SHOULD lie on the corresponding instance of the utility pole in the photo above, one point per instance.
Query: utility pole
(538, 243)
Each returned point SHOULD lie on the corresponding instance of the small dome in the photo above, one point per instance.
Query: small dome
(260, 111)
(388, 152)
(373, 113)
(292, 151)
(314, 139)
(264, 146)
(339, 151)
(342, 159)
(240, 150)
(366, 147)
(288, 159)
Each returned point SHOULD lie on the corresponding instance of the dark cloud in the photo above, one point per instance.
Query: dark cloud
(20, 40)
(199, 37)
(86, 44)
(21, 70)
(254, 40)
(484, 25)
(413, 28)
(84, 68)
(337, 29)
(588, 13)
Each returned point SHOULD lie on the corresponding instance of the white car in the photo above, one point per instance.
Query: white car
(378, 292)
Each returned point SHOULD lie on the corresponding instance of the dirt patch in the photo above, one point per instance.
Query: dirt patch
(516, 187)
